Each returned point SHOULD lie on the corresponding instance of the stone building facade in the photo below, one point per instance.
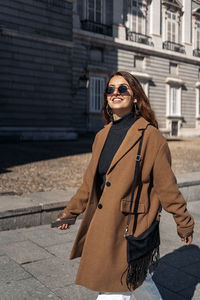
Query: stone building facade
(156, 40)
(56, 55)
(36, 69)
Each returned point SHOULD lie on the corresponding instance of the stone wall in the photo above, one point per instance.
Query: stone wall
(36, 68)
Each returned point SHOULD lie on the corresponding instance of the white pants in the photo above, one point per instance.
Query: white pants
(147, 291)
(111, 296)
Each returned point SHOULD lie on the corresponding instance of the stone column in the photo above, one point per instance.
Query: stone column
(155, 23)
(187, 22)
(187, 26)
(155, 20)
(118, 27)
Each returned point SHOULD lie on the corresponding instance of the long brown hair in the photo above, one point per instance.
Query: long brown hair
(142, 101)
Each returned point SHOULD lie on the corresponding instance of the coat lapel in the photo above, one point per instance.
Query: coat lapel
(101, 142)
(131, 138)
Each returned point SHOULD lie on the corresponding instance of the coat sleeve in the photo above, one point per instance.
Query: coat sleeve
(170, 197)
(78, 202)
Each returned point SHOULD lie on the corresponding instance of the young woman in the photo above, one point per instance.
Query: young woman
(105, 194)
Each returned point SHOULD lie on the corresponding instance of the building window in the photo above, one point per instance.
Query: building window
(173, 69)
(139, 62)
(174, 101)
(94, 17)
(145, 86)
(144, 79)
(197, 35)
(96, 55)
(95, 11)
(96, 88)
(136, 22)
(172, 27)
(196, 31)
(198, 107)
(137, 16)
(198, 103)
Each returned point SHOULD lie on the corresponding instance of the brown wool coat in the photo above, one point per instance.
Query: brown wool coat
(100, 240)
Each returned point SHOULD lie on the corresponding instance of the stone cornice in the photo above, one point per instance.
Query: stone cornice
(174, 80)
(34, 37)
(196, 12)
(96, 38)
(196, 1)
(141, 75)
(175, 4)
(148, 50)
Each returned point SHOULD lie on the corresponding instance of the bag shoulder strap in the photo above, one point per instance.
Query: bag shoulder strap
(138, 159)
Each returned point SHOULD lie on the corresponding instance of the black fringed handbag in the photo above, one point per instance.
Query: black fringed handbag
(143, 250)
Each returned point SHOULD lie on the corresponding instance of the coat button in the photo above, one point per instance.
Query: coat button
(108, 183)
(100, 206)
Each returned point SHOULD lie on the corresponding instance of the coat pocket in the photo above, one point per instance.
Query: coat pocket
(125, 206)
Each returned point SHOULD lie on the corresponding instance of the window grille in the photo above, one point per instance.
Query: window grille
(96, 94)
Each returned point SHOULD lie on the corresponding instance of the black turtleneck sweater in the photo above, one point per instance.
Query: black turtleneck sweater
(115, 137)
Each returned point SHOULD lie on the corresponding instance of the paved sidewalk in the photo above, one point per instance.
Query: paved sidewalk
(34, 263)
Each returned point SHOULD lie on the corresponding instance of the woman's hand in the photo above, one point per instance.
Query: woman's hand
(61, 216)
(187, 240)
(63, 226)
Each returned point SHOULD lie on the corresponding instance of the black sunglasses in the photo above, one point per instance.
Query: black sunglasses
(121, 89)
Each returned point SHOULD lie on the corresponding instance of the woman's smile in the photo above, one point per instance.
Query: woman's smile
(117, 100)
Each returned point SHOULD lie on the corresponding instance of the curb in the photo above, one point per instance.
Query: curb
(32, 210)
(43, 207)
(189, 185)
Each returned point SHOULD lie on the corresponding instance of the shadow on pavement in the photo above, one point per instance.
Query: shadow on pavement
(19, 153)
(178, 273)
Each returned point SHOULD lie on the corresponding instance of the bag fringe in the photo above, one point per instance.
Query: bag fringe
(137, 270)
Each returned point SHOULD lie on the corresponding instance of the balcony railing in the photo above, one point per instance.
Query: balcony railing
(139, 38)
(173, 46)
(196, 52)
(96, 27)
